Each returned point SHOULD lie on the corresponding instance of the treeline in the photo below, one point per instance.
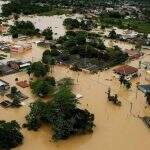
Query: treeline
(39, 6)
(27, 8)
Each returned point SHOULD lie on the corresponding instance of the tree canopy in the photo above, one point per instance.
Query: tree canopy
(24, 28)
(39, 69)
(10, 135)
(61, 113)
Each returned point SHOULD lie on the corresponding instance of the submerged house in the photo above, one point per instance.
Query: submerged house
(17, 65)
(6, 70)
(21, 48)
(128, 71)
(133, 54)
(4, 85)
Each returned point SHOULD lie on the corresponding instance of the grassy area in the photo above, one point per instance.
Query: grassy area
(139, 26)
(56, 11)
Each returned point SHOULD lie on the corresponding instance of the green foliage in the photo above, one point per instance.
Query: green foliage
(16, 102)
(39, 69)
(61, 113)
(48, 58)
(80, 45)
(141, 26)
(48, 34)
(10, 135)
(43, 87)
(24, 28)
(13, 91)
(34, 118)
(71, 23)
(113, 34)
(87, 25)
(27, 8)
(116, 56)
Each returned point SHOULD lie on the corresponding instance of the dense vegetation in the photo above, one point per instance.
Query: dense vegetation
(43, 87)
(48, 34)
(116, 19)
(40, 6)
(23, 28)
(39, 69)
(87, 50)
(10, 135)
(71, 24)
(61, 113)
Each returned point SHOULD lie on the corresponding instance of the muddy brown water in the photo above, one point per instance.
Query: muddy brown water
(116, 127)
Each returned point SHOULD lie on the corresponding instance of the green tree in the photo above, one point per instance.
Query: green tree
(39, 69)
(48, 34)
(16, 102)
(48, 59)
(10, 135)
(42, 87)
(71, 23)
(61, 113)
(13, 91)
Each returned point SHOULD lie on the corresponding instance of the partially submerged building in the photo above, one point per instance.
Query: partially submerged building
(4, 85)
(20, 48)
(128, 71)
(6, 70)
(133, 54)
(17, 65)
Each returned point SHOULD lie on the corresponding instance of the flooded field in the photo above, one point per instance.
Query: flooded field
(43, 22)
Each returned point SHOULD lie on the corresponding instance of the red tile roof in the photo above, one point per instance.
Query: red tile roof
(125, 70)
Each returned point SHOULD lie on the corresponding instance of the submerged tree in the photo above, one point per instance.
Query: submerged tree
(61, 113)
(48, 34)
(49, 59)
(43, 87)
(39, 69)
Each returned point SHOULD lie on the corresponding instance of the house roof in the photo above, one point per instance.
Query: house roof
(144, 88)
(125, 70)
(3, 83)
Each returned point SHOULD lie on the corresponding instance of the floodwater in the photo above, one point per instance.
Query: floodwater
(43, 22)
(116, 127)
